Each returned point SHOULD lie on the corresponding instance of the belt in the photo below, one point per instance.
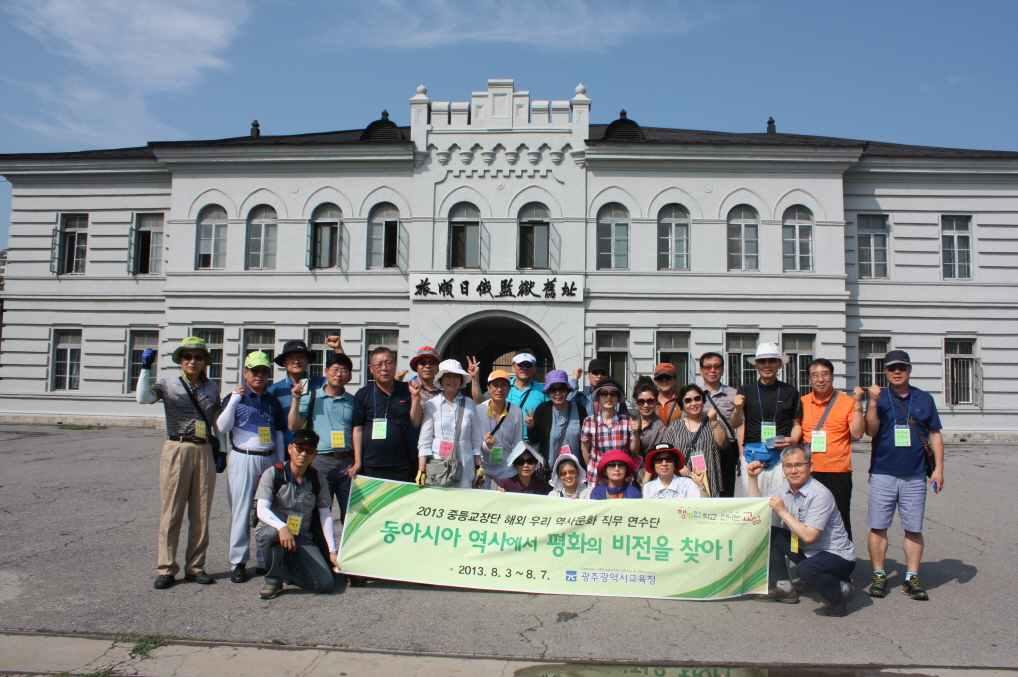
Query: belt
(336, 452)
(251, 452)
(186, 438)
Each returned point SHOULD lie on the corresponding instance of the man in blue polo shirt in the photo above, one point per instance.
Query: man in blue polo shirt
(903, 422)
(295, 357)
(338, 420)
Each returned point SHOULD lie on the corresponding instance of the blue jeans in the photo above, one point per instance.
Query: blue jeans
(823, 572)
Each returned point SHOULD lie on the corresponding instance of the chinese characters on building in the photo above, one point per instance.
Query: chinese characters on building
(546, 288)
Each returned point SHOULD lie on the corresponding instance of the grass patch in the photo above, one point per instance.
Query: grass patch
(144, 646)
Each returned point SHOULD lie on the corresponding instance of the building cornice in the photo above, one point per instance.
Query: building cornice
(982, 166)
(57, 166)
(323, 153)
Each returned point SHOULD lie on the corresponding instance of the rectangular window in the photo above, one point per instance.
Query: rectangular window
(871, 240)
(871, 361)
(798, 349)
(797, 247)
(382, 244)
(259, 339)
(373, 338)
(672, 246)
(325, 245)
(743, 247)
(957, 247)
(73, 243)
(464, 245)
(214, 339)
(961, 370)
(148, 245)
(673, 347)
(612, 246)
(66, 359)
(138, 341)
(741, 349)
(533, 245)
(319, 349)
(261, 246)
(211, 246)
(613, 347)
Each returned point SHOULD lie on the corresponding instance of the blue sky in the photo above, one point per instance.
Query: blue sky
(108, 73)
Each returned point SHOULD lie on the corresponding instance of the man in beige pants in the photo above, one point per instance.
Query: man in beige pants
(186, 467)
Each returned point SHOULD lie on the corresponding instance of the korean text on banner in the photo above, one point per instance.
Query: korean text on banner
(690, 549)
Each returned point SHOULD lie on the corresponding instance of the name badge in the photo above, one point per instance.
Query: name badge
(496, 454)
(699, 463)
(264, 435)
(379, 428)
(818, 444)
(902, 436)
(338, 439)
(445, 448)
(293, 524)
(201, 430)
(768, 429)
(795, 545)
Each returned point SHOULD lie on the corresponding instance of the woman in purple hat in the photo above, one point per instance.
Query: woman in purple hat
(557, 422)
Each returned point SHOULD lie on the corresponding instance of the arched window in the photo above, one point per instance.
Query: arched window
(323, 247)
(383, 236)
(613, 237)
(211, 247)
(534, 223)
(464, 236)
(673, 238)
(743, 239)
(260, 245)
(797, 239)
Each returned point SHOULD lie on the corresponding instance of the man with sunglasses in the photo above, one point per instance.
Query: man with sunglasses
(597, 373)
(904, 424)
(525, 391)
(729, 404)
(668, 408)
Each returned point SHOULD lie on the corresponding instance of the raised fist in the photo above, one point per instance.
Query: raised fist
(874, 392)
(858, 393)
(755, 468)
(148, 356)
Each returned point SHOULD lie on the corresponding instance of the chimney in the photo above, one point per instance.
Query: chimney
(256, 129)
(772, 127)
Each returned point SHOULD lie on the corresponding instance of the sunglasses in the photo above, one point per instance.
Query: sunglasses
(646, 402)
(184, 357)
(525, 365)
(427, 363)
(305, 450)
(664, 377)
(526, 461)
(616, 464)
(691, 400)
(769, 360)
(608, 393)
(664, 459)
(894, 368)
(711, 367)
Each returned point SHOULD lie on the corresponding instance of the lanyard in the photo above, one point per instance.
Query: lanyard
(374, 402)
(759, 397)
(894, 407)
(327, 406)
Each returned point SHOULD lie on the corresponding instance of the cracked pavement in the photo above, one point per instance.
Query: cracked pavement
(78, 519)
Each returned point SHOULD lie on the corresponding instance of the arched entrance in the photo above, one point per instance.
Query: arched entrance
(494, 340)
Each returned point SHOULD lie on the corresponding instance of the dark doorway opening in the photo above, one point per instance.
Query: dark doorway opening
(494, 340)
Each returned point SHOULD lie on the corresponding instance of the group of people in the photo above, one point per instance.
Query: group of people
(296, 444)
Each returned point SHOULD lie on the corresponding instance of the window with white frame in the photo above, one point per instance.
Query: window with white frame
(213, 338)
(798, 350)
(260, 248)
(139, 340)
(320, 350)
(211, 249)
(259, 339)
(673, 238)
(383, 236)
(613, 237)
(534, 230)
(961, 369)
(72, 244)
(871, 361)
(613, 348)
(741, 349)
(66, 359)
(673, 348)
(464, 236)
(375, 338)
(956, 246)
(324, 247)
(797, 239)
(871, 242)
(743, 239)
(145, 249)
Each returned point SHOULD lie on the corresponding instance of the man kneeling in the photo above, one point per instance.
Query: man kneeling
(295, 531)
(813, 535)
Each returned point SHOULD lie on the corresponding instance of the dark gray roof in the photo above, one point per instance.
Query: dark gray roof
(348, 136)
(137, 153)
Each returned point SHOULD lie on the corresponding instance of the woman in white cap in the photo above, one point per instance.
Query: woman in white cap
(567, 478)
(501, 424)
(450, 429)
(527, 477)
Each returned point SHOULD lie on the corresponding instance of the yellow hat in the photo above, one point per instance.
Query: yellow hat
(496, 374)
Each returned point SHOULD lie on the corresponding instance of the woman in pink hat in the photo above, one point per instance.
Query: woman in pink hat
(425, 366)
(615, 473)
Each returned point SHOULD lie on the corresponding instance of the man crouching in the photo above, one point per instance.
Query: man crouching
(295, 533)
(813, 535)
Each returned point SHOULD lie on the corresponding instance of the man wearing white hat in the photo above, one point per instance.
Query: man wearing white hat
(525, 391)
(772, 410)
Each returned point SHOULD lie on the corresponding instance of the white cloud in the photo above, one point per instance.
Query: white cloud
(121, 52)
(563, 24)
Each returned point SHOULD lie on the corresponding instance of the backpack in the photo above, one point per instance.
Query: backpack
(282, 477)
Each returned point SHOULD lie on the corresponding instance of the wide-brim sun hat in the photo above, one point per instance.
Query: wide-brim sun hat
(659, 449)
(191, 343)
(769, 351)
(556, 377)
(446, 367)
(290, 347)
(613, 456)
(422, 352)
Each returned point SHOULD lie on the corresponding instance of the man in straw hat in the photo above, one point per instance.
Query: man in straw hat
(186, 477)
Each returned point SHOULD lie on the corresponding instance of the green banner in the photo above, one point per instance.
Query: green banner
(710, 548)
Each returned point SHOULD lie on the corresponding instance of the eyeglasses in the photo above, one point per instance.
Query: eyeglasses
(559, 391)
(711, 367)
(426, 363)
(894, 368)
(567, 472)
(197, 357)
(691, 400)
(525, 365)
(383, 363)
(304, 450)
(645, 402)
(794, 466)
(608, 393)
(664, 377)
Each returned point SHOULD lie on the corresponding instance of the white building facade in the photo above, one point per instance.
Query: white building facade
(504, 222)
